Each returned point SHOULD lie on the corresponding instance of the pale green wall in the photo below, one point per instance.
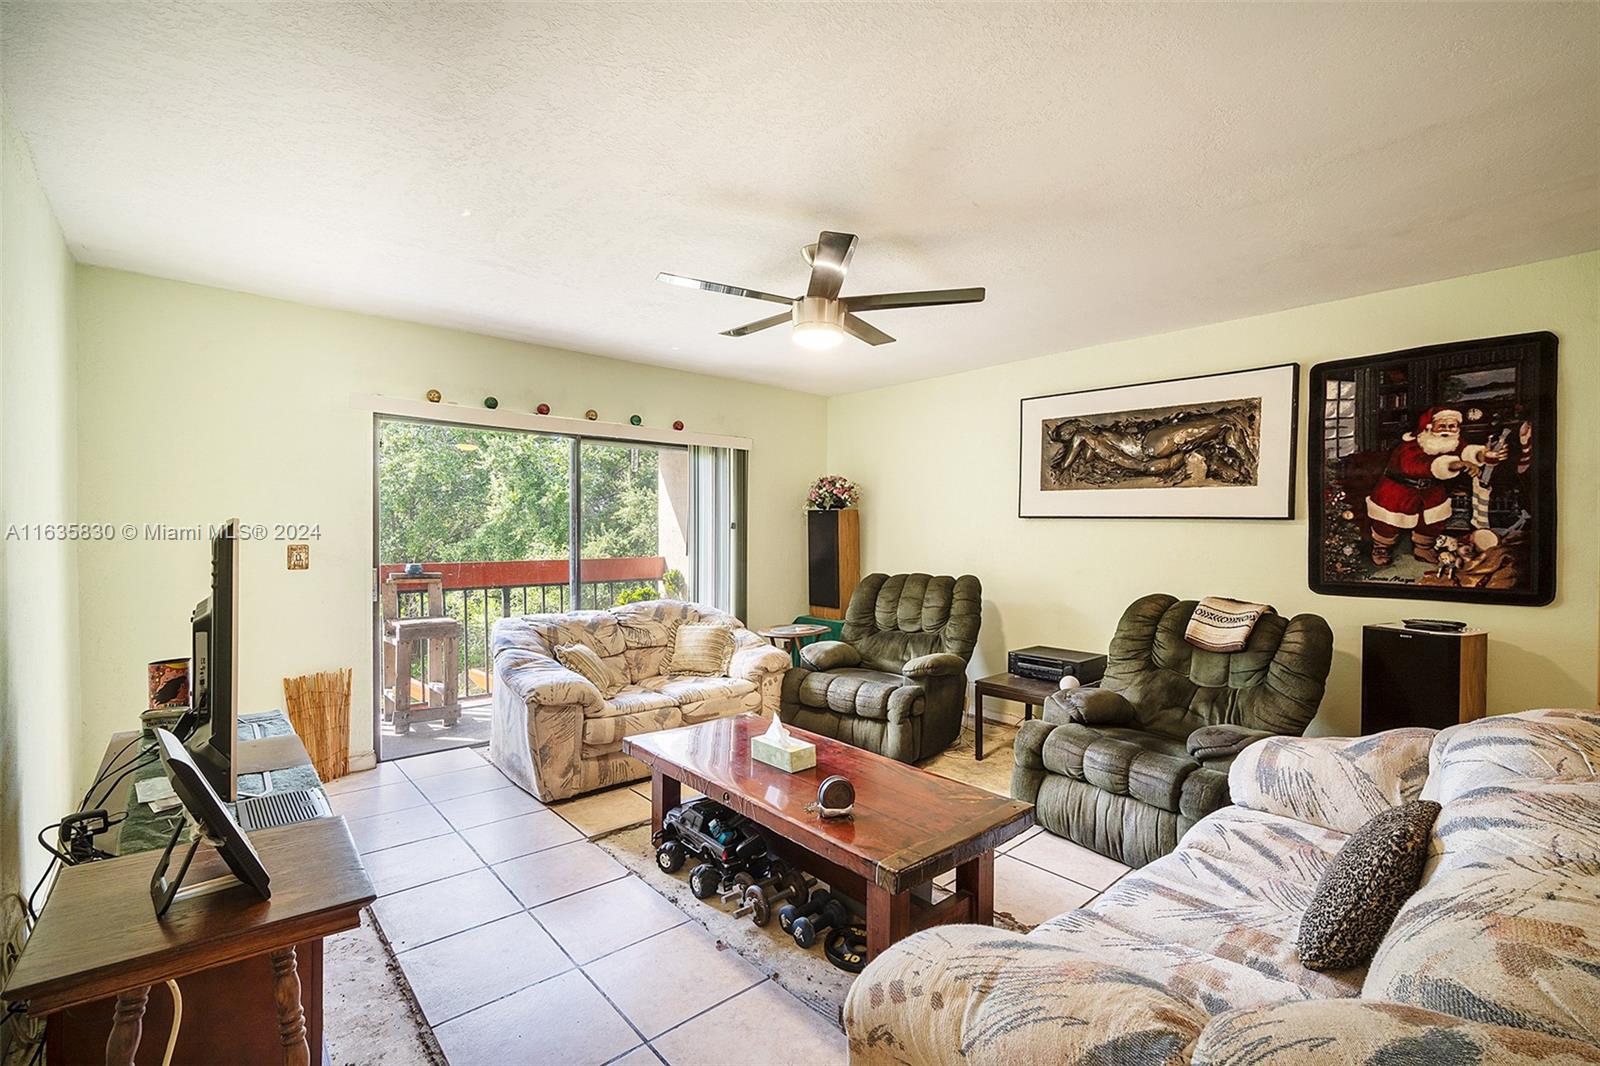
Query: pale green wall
(938, 463)
(39, 661)
(193, 404)
(198, 403)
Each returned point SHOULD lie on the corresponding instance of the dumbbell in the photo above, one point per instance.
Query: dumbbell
(791, 911)
(759, 899)
(807, 926)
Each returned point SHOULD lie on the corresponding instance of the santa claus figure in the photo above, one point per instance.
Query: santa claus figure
(1413, 495)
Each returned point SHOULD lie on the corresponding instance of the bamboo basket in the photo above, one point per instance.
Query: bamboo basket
(319, 710)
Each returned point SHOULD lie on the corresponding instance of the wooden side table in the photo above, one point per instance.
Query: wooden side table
(1027, 691)
(98, 939)
(792, 637)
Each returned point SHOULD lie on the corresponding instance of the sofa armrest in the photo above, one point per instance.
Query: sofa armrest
(1222, 741)
(1322, 1031)
(538, 680)
(1335, 782)
(939, 664)
(830, 655)
(753, 662)
(967, 995)
(1090, 706)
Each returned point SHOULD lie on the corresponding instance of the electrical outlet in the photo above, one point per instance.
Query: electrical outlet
(299, 557)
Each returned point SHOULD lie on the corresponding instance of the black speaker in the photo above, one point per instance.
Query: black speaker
(833, 560)
(1413, 677)
(822, 550)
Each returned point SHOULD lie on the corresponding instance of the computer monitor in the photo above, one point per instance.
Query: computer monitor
(216, 656)
(216, 826)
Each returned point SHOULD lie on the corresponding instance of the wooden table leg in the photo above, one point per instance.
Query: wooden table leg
(291, 1015)
(977, 725)
(888, 918)
(976, 876)
(127, 1025)
(665, 794)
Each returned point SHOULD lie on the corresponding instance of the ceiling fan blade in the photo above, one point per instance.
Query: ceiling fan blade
(758, 325)
(929, 298)
(829, 262)
(717, 286)
(862, 330)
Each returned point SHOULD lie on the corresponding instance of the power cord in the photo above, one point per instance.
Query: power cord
(26, 1033)
(112, 766)
(177, 1020)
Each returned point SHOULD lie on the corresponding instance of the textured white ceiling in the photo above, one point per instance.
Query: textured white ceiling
(525, 170)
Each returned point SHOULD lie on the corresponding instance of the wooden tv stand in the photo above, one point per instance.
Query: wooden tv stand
(250, 970)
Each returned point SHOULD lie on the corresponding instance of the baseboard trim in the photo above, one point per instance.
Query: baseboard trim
(363, 760)
(1002, 711)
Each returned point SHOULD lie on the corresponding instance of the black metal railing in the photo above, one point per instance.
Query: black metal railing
(478, 608)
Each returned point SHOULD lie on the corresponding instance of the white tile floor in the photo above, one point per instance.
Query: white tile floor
(524, 942)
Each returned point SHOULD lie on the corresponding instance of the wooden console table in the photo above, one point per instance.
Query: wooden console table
(98, 949)
(99, 938)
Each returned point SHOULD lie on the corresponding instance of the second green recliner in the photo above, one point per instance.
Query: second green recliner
(1127, 767)
(896, 684)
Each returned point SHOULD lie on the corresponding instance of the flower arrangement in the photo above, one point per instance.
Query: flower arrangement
(830, 492)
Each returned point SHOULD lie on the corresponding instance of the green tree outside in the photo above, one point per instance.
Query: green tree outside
(462, 494)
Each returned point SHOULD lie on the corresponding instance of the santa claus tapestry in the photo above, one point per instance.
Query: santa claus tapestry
(1432, 472)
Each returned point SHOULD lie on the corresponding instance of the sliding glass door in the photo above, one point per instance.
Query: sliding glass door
(633, 523)
(509, 522)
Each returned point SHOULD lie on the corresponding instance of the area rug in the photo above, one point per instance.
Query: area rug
(369, 1015)
(806, 974)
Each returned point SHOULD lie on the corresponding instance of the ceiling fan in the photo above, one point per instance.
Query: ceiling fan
(822, 317)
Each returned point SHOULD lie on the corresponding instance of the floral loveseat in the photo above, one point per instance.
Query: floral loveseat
(556, 736)
(1495, 959)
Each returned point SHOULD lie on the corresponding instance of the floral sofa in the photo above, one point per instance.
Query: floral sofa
(556, 736)
(1495, 959)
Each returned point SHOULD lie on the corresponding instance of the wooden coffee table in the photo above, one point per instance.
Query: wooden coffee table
(909, 826)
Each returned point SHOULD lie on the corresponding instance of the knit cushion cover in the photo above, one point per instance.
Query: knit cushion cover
(1364, 886)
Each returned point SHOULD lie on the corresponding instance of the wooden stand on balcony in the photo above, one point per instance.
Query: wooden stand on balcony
(437, 637)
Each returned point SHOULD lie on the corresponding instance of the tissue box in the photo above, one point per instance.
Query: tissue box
(791, 758)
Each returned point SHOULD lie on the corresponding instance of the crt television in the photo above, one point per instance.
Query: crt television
(216, 657)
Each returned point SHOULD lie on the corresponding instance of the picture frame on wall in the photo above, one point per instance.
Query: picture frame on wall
(1212, 446)
(1432, 473)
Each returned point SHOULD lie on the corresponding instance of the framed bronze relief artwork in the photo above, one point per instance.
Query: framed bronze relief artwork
(1432, 473)
(1217, 446)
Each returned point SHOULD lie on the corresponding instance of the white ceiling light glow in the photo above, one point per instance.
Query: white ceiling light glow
(817, 335)
(818, 323)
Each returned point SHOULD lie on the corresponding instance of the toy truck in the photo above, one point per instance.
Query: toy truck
(726, 843)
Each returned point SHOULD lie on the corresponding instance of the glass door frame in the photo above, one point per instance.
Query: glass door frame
(575, 442)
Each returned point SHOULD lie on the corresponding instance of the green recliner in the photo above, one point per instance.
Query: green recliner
(897, 683)
(1127, 767)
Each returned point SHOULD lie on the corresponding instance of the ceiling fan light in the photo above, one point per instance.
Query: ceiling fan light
(817, 335)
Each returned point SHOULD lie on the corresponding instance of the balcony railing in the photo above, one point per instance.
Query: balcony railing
(478, 594)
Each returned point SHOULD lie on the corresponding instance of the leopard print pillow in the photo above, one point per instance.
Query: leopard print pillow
(1364, 887)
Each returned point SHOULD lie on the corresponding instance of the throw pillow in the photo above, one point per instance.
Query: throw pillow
(700, 649)
(584, 660)
(1364, 886)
